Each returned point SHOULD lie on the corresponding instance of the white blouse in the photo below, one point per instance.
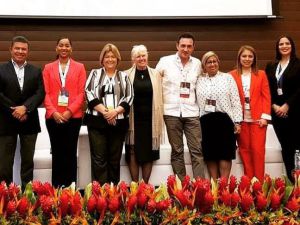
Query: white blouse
(223, 89)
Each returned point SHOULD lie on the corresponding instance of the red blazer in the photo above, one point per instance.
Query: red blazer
(260, 98)
(75, 83)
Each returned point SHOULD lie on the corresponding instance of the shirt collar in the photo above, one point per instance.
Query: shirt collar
(179, 60)
(16, 65)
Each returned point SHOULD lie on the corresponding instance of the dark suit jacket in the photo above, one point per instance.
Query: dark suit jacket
(290, 87)
(31, 96)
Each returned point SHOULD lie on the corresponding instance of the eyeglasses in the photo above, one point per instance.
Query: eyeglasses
(211, 62)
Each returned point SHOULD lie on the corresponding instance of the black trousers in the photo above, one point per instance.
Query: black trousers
(106, 150)
(7, 153)
(284, 131)
(63, 139)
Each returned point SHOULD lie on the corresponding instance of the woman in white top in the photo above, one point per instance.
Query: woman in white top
(220, 116)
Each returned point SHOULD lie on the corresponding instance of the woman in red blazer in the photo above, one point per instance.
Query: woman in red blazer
(64, 81)
(255, 98)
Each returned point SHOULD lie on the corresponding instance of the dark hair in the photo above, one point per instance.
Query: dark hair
(186, 35)
(293, 50)
(21, 39)
(59, 39)
(238, 61)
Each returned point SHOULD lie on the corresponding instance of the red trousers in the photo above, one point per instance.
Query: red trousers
(251, 143)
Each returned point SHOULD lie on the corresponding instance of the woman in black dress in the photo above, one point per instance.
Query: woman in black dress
(145, 119)
(284, 81)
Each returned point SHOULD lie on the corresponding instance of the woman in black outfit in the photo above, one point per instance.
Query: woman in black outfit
(145, 119)
(284, 80)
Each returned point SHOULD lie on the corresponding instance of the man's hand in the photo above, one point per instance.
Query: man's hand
(23, 118)
(19, 111)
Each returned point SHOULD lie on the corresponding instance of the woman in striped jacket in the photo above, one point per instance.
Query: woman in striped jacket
(109, 95)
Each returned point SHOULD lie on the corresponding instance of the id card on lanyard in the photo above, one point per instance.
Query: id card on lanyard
(210, 105)
(185, 89)
(63, 97)
(109, 93)
(279, 77)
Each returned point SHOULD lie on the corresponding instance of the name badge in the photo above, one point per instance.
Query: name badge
(247, 103)
(185, 89)
(109, 98)
(279, 91)
(63, 98)
(210, 105)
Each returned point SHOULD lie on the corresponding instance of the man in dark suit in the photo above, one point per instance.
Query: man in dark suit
(21, 92)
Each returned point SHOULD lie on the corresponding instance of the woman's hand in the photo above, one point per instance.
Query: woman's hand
(237, 128)
(112, 122)
(281, 111)
(262, 122)
(67, 114)
(58, 117)
(110, 114)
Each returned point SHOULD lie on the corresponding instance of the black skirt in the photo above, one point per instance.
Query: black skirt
(218, 138)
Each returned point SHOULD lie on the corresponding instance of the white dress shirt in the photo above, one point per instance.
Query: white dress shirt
(173, 73)
(20, 71)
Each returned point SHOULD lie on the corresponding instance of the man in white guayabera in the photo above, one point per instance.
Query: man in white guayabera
(181, 113)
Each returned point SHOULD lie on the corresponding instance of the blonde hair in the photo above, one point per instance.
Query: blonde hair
(137, 50)
(205, 57)
(109, 48)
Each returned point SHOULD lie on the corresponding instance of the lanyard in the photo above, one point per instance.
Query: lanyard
(211, 83)
(109, 83)
(279, 71)
(63, 75)
(246, 82)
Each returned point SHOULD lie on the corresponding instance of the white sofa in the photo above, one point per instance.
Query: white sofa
(161, 168)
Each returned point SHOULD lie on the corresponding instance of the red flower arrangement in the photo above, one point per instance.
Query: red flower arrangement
(187, 202)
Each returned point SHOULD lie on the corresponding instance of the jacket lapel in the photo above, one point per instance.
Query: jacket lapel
(252, 84)
(56, 72)
(70, 72)
(13, 75)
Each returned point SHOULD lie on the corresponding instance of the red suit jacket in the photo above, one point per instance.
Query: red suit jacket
(260, 98)
(75, 82)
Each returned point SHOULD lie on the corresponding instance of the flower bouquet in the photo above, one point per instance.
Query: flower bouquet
(186, 202)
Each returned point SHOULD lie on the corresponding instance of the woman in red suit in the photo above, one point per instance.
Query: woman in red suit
(255, 97)
(64, 81)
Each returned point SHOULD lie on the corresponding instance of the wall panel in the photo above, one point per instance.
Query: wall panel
(224, 36)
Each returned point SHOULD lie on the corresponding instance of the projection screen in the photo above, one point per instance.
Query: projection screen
(135, 8)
